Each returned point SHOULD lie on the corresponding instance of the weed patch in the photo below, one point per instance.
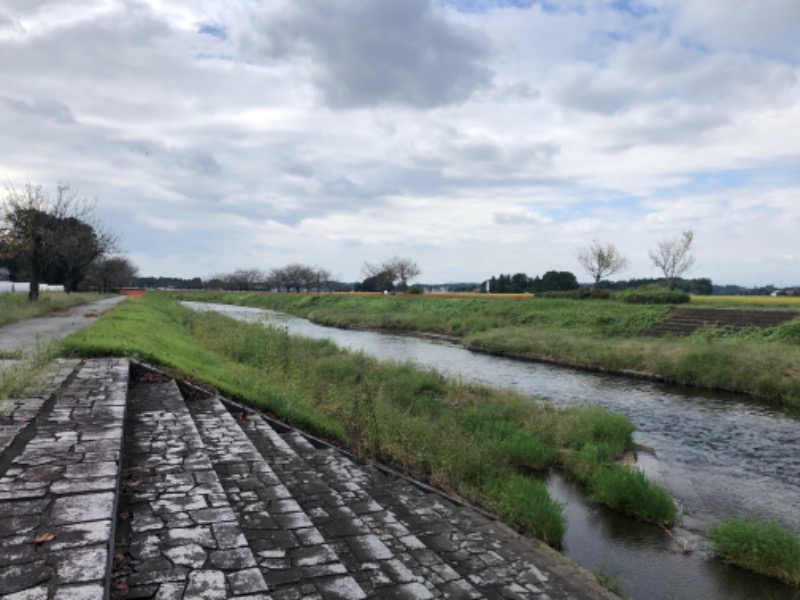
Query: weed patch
(762, 547)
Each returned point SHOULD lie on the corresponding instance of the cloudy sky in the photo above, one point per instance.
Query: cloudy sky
(473, 136)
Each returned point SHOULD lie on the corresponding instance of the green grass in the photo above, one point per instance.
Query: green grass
(28, 374)
(605, 335)
(763, 547)
(15, 306)
(480, 444)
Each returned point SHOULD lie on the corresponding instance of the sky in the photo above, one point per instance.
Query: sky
(475, 137)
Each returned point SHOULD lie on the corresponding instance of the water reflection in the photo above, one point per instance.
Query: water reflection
(718, 455)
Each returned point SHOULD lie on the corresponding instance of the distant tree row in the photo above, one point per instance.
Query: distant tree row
(520, 283)
(294, 277)
(701, 286)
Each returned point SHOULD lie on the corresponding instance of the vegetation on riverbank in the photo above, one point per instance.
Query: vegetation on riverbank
(762, 547)
(28, 373)
(605, 335)
(481, 444)
(16, 307)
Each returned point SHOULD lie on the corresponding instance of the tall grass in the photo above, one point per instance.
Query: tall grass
(481, 444)
(27, 374)
(763, 547)
(15, 306)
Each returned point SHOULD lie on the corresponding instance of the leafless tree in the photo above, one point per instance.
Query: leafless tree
(674, 257)
(601, 260)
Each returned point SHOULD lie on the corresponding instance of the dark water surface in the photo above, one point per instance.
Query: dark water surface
(718, 454)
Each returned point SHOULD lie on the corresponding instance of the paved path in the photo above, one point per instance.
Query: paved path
(210, 500)
(24, 335)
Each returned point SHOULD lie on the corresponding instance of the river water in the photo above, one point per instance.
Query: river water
(718, 454)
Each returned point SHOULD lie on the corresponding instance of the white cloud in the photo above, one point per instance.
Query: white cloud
(221, 135)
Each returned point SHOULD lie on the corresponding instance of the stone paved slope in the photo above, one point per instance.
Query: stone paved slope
(58, 488)
(210, 500)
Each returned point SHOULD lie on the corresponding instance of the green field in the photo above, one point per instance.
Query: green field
(595, 334)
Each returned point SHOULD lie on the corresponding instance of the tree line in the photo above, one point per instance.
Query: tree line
(58, 240)
(520, 283)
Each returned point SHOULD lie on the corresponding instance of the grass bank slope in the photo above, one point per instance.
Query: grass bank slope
(483, 445)
(598, 334)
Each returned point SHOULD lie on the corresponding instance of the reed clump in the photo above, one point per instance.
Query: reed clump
(762, 547)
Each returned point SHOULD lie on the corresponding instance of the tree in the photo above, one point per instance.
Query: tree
(398, 269)
(245, 279)
(558, 281)
(601, 260)
(59, 236)
(674, 257)
(112, 273)
(383, 281)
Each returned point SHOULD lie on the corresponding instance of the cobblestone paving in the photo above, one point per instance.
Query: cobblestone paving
(58, 489)
(183, 539)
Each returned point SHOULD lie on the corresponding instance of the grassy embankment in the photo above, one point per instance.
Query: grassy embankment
(484, 445)
(602, 334)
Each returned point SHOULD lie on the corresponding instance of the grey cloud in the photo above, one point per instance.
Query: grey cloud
(520, 217)
(197, 161)
(471, 153)
(52, 110)
(591, 93)
(367, 53)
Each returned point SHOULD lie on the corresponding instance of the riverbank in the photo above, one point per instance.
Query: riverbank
(605, 336)
(157, 329)
(479, 444)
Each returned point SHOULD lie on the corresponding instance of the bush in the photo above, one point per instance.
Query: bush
(414, 289)
(579, 294)
(653, 295)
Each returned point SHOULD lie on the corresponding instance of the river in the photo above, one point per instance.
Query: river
(717, 454)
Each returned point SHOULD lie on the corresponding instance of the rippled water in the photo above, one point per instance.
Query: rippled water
(717, 454)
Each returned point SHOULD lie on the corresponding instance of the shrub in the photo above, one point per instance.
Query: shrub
(653, 295)
(579, 294)
(414, 289)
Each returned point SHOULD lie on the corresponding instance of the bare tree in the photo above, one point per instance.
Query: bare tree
(674, 257)
(601, 260)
